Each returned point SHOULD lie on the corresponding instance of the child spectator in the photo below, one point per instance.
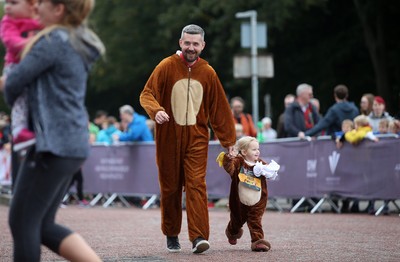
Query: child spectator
(239, 131)
(108, 129)
(394, 127)
(249, 194)
(17, 26)
(383, 126)
(347, 126)
(361, 130)
(268, 133)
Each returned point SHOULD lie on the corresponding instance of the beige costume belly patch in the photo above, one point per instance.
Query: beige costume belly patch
(185, 102)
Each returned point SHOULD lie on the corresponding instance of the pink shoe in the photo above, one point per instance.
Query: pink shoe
(24, 139)
(83, 203)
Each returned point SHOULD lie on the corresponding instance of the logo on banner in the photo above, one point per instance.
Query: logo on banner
(333, 161)
(311, 168)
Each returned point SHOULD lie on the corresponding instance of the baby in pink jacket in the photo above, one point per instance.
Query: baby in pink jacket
(17, 26)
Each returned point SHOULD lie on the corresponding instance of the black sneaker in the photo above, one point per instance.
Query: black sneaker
(200, 245)
(173, 244)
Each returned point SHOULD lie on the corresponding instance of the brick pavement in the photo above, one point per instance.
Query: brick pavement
(133, 234)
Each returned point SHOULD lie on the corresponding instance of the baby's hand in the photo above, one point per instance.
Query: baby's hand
(2, 82)
(232, 151)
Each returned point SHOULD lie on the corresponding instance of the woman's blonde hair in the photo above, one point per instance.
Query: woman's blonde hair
(76, 14)
(244, 143)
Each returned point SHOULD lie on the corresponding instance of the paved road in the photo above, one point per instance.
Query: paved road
(133, 234)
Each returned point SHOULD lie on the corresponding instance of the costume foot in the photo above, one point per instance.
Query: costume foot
(260, 246)
(200, 245)
(173, 244)
(232, 239)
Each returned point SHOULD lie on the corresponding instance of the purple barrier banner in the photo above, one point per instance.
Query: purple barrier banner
(308, 168)
(123, 169)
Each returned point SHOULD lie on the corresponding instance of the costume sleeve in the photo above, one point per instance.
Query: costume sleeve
(39, 59)
(150, 95)
(221, 119)
(231, 165)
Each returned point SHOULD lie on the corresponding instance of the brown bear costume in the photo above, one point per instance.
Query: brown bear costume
(193, 97)
(252, 212)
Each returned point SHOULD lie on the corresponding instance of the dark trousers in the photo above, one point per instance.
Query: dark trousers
(39, 188)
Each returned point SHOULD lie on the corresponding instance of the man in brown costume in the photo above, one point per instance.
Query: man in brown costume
(183, 95)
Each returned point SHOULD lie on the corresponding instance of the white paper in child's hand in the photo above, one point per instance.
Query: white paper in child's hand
(270, 171)
(273, 166)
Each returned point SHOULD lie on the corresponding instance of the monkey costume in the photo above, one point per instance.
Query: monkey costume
(246, 204)
(192, 96)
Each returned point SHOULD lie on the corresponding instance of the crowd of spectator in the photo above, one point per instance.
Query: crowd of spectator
(343, 121)
(301, 118)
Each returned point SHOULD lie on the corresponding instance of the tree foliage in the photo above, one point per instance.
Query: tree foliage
(323, 43)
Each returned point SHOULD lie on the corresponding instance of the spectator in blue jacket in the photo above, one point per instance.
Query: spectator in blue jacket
(341, 110)
(108, 130)
(136, 129)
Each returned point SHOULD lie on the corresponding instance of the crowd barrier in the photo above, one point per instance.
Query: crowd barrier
(309, 169)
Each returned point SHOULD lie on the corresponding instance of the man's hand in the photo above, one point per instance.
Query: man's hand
(161, 117)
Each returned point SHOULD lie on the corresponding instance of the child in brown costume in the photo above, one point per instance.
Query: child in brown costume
(248, 194)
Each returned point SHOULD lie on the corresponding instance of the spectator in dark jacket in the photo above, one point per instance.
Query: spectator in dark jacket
(280, 128)
(301, 115)
(341, 110)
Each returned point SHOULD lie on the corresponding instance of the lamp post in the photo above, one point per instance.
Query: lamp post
(252, 14)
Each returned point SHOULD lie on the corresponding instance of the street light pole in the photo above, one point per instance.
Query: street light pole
(252, 14)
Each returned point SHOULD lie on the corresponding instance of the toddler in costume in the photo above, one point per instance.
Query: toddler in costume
(248, 195)
(17, 26)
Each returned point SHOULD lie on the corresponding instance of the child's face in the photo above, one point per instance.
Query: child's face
(346, 127)
(253, 152)
(383, 128)
(239, 133)
(19, 9)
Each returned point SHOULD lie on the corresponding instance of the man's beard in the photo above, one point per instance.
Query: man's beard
(190, 56)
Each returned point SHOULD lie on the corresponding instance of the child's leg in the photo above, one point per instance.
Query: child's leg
(254, 222)
(19, 115)
(238, 218)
